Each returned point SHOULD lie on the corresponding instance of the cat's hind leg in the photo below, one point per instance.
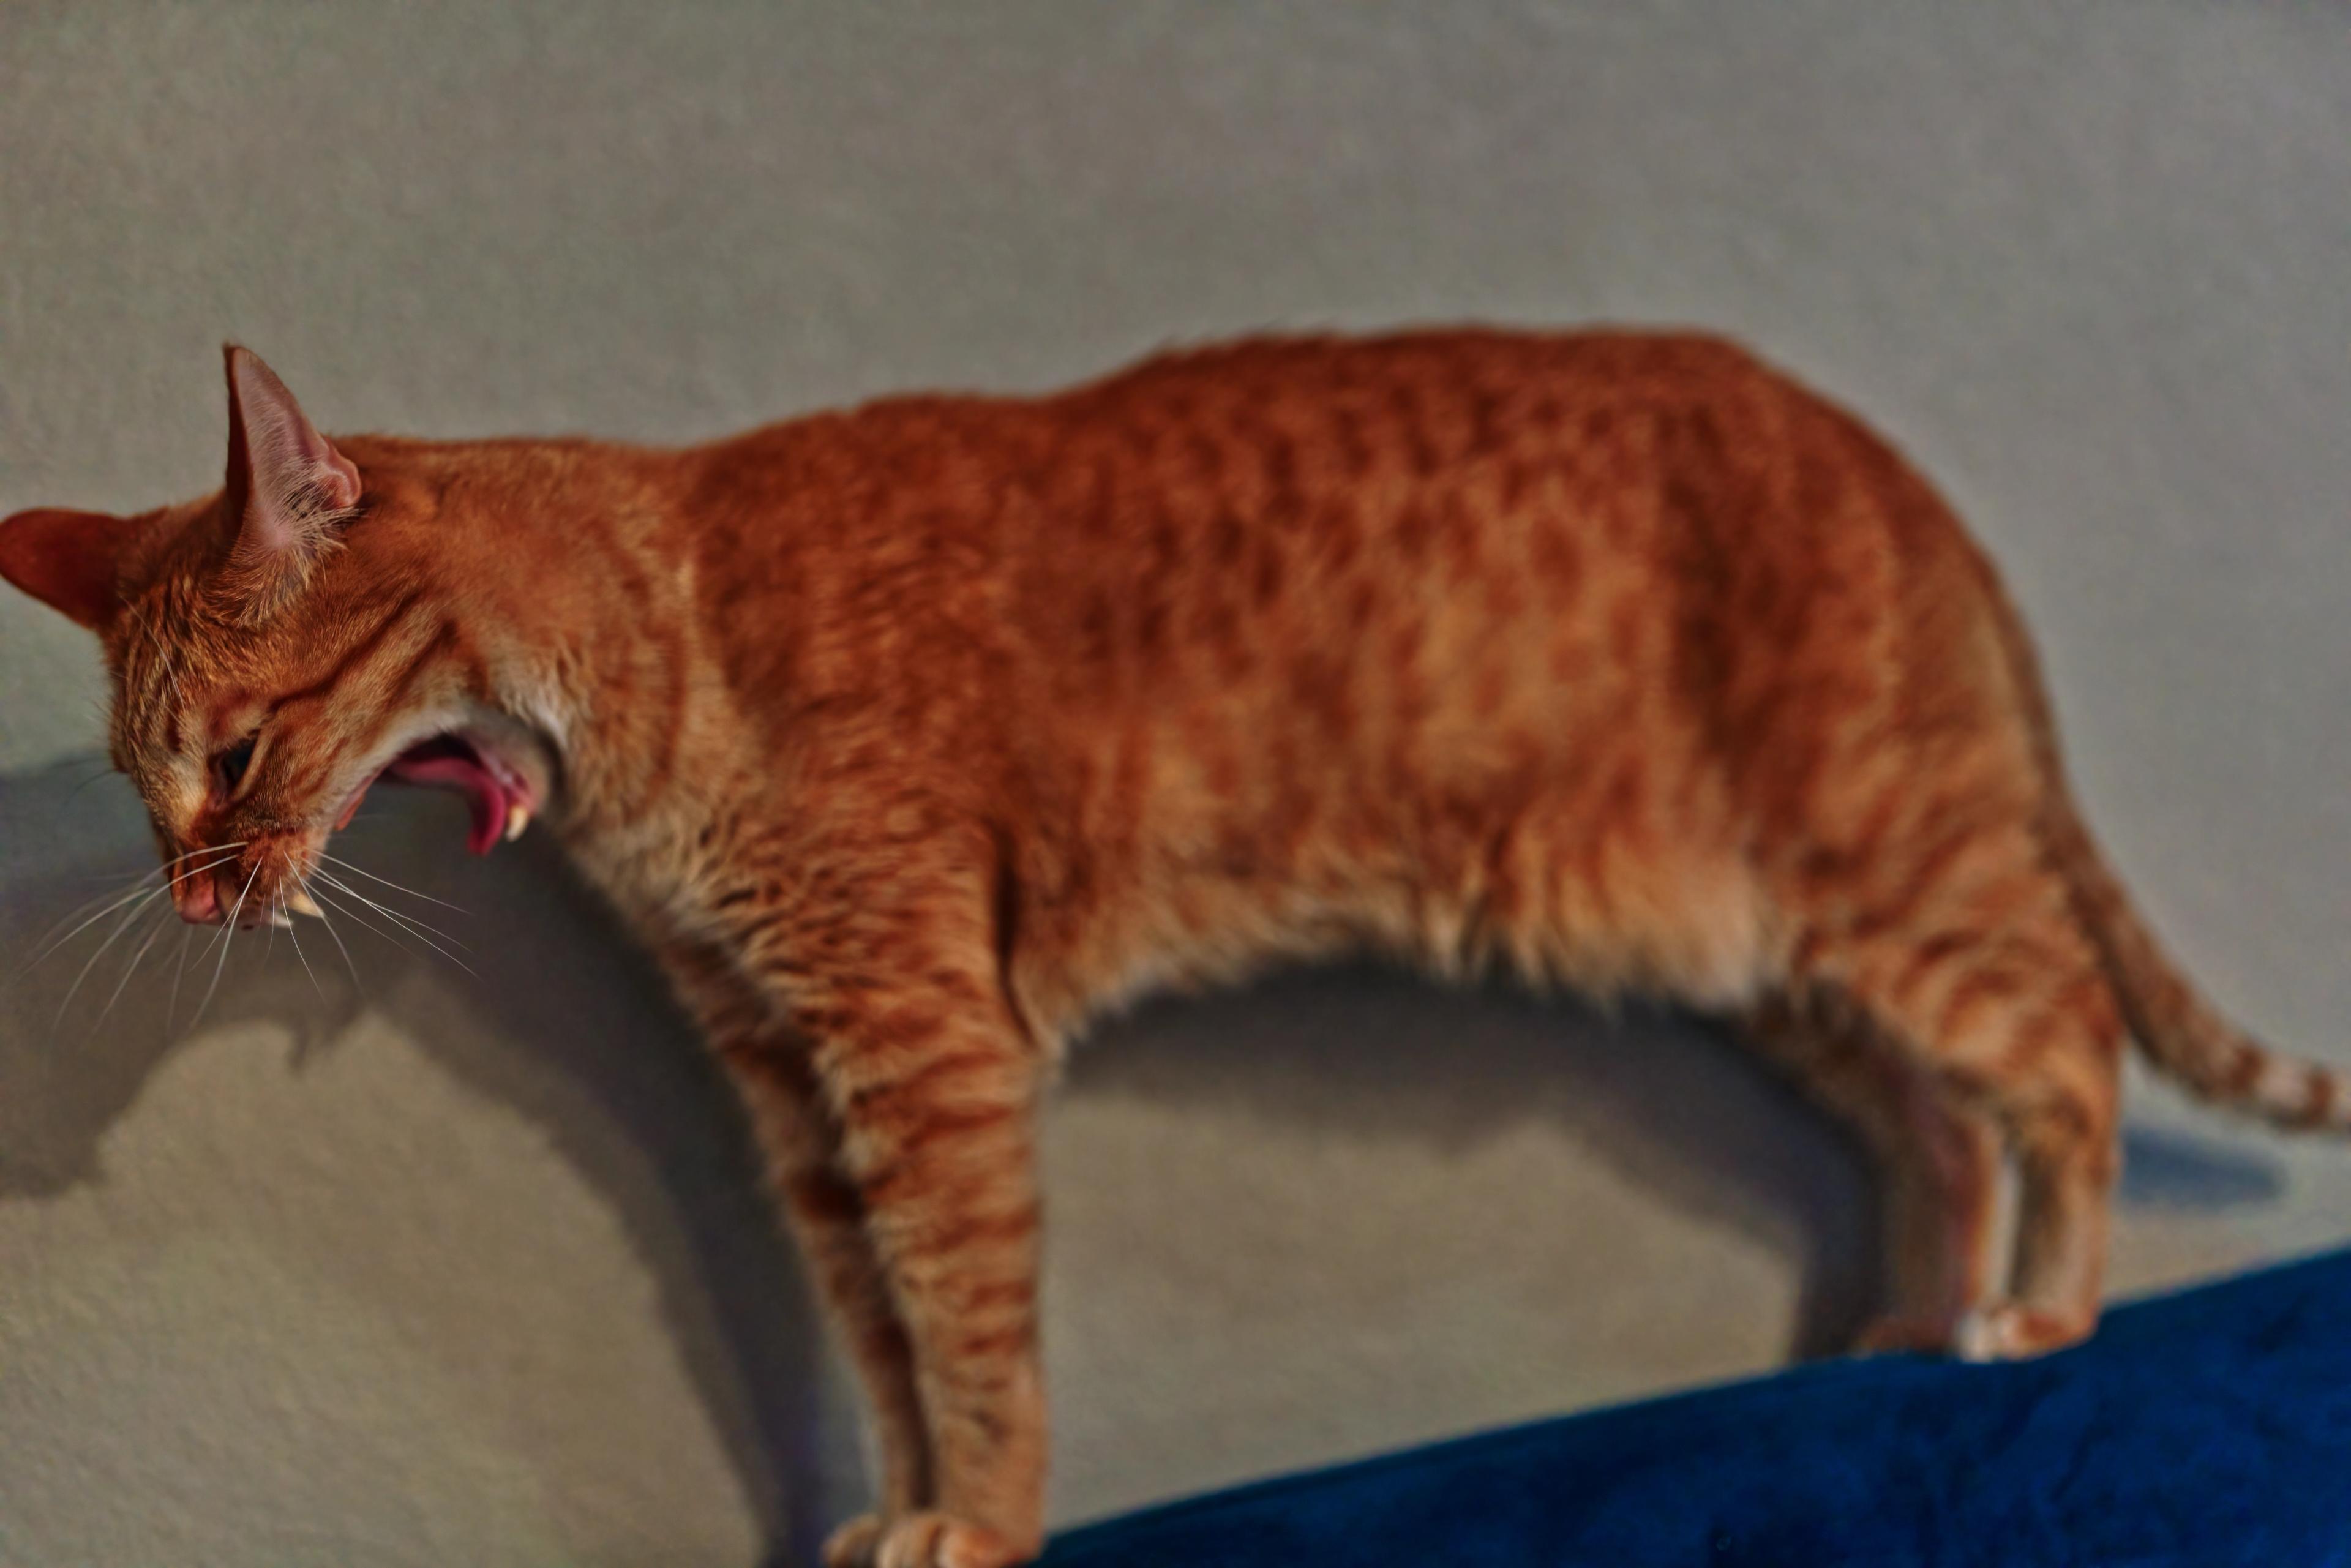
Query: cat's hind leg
(1937, 1159)
(1981, 977)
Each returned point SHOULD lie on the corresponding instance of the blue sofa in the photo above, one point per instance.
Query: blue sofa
(2208, 1428)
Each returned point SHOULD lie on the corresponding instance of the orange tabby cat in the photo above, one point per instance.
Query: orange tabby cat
(911, 737)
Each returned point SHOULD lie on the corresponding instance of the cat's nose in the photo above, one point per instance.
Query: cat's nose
(197, 898)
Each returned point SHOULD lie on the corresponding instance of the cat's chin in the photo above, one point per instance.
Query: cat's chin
(503, 777)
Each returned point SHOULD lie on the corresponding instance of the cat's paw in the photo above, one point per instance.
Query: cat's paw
(2011, 1332)
(919, 1540)
(2004, 1330)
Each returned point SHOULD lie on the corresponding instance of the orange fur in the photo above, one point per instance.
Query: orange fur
(911, 737)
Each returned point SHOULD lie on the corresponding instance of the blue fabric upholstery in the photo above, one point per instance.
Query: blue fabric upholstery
(2210, 1427)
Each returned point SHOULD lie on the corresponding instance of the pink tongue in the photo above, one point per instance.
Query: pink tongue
(484, 794)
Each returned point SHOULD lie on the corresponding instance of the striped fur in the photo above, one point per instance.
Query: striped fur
(912, 737)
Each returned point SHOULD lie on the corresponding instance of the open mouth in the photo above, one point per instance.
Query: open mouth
(499, 795)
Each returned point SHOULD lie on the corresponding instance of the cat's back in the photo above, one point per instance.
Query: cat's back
(1201, 485)
(1445, 496)
(1323, 526)
(1257, 428)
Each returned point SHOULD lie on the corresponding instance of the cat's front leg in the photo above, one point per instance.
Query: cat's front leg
(929, 1085)
(769, 1064)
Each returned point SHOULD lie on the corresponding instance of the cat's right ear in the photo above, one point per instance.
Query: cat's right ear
(288, 489)
(71, 561)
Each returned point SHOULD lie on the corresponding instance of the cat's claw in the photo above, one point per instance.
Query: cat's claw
(919, 1540)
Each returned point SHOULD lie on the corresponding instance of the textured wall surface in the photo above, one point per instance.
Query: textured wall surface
(419, 1265)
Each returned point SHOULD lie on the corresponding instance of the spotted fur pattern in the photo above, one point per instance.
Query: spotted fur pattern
(912, 737)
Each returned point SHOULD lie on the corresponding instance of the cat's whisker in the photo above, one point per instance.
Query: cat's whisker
(172, 1006)
(114, 898)
(209, 856)
(229, 932)
(218, 854)
(409, 920)
(422, 933)
(115, 892)
(199, 861)
(391, 936)
(387, 881)
(159, 925)
(296, 937)
(219, 936)
(354, 968)
(115, 880)
(119, 928)
(219, 939)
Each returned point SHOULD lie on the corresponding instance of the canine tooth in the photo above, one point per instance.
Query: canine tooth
(301, 903)
(517, 819)
(281, 918)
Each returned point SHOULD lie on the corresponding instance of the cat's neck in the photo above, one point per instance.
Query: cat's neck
(575, 566)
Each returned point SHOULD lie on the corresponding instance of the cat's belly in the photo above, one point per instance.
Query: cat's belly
(1558, 893)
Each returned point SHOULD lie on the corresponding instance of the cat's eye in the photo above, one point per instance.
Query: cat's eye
(229, 766)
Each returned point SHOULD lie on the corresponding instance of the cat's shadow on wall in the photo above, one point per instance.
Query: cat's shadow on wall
(582, 1041)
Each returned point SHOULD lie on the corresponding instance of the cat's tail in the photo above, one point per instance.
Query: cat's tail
(2181, 1032)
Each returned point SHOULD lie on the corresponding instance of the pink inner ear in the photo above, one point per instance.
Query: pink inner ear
(69, 560)
(288, 475)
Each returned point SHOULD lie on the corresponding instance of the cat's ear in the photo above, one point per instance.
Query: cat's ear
(288, 488)
(71, 561)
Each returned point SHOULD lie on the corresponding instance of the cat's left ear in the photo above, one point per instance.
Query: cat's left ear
(288, 489)
(71, 561)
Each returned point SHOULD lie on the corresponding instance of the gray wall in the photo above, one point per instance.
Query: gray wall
(429, 1266)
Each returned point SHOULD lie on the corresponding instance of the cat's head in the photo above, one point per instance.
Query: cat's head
(278, 647)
